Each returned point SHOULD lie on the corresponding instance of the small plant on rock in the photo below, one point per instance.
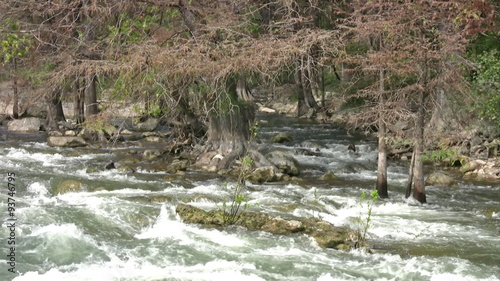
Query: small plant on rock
(239, 201)
(364, 220)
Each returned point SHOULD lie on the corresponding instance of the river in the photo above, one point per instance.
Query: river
(124, 226)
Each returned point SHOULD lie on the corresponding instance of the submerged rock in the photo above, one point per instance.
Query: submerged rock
(440, 179)
(285, 162)
(24, 125)
(325, 234)
(328, 176)
(68, 186)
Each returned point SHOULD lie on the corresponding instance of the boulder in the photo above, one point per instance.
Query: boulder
(266, 109)
(328, 176)
(126, 132)
(177, 165)
(66, 141)
(440, 179)
(325, 234)
(310, 144)
(126, 169)
(263, 174)
(285, 162)
(38, 110)
(150, 154)
(471, 166)
(110, 166)
(68, 186)
(30, 124)
(153, 139)
(147, 126)
(66, 125)
(281, 138)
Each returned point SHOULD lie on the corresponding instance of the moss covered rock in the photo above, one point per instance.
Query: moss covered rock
(325, 234)
(440, 179)
(282, 138)
(68, 186)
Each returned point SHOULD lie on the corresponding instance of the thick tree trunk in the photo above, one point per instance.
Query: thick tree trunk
(306, 99)
(229, 129)
(382, 146)
(91, 96)
(188, 123)
(55, 111)
(418, 177)
(79, 105)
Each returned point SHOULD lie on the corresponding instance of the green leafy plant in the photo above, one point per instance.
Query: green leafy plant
(14, 46)
(446, 155)
(486, 87)
(239, 200)
(364, 220)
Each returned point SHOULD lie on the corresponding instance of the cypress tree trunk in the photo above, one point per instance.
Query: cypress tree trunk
(55, 111)
(91, 96)
(229, 125)
(410, 175)
(306, 99)
(79, 105)
(382, 147)
(418, 177)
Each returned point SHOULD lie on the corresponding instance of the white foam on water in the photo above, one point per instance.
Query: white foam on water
(58, 231)
(113, 175)
(212, 189)
(136, 270)
(169, 226)
(38, 189)
(458, 277)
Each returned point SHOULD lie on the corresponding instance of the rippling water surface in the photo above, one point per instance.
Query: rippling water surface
(124, 226)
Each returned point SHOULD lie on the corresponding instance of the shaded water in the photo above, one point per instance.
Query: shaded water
(124, 226)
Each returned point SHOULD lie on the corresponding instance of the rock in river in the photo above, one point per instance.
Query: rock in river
(281, 138)
(325, 234)
(68, 186)
(440, 179)
(66, 141)
(285, 162)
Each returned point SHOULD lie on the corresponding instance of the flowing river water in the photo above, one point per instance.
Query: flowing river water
(124, 226)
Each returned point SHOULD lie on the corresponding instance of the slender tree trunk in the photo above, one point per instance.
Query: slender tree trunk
(91, 96)
(382, 146)
(310, 84)
(418, 177)
(410, 176)
(306, 99)
(15, 89)
(301, 103)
